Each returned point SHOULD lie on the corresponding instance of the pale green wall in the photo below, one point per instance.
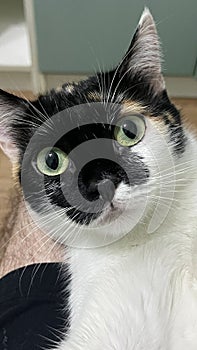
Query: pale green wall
(77, 36)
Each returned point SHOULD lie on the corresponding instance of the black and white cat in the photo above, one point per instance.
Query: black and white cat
(128, 219)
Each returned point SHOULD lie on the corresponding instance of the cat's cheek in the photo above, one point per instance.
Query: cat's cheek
(156, 142)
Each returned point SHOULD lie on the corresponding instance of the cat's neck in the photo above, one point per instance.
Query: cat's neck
(123, 274)
(22, 242)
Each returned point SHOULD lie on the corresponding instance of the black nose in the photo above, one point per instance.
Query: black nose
(99, 178)
(106, 190)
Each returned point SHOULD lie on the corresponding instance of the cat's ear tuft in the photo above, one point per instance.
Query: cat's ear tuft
(143, 58)
(11, 109)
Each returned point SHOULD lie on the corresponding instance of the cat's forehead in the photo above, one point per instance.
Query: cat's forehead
(105, 90)
(92, 94)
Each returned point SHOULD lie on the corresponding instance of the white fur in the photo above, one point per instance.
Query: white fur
(134, 295)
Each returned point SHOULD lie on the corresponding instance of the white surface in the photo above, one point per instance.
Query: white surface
(14, 47)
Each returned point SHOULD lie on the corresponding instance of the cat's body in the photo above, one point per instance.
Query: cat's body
(153, 307)
(131, 229)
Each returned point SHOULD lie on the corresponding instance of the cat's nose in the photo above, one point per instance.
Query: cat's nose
(106, 190)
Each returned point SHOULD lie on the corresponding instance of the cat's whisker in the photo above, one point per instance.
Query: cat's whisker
(79, 229)
(14, 235)
(44, 259)
(164, 198)
(44, 110)
(176, 167)
(175, 171)
(161, 203)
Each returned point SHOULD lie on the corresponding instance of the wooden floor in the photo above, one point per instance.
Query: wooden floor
(189, 110)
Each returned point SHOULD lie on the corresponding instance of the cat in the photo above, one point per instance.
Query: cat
(128, 219)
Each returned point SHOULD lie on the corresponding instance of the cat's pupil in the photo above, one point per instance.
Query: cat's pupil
(130, 129)
(52, 160)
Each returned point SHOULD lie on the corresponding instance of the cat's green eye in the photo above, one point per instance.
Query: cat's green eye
(52, 161)
(130, 130)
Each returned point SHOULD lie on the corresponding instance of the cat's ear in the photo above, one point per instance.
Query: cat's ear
(11, 110)
(143, 58)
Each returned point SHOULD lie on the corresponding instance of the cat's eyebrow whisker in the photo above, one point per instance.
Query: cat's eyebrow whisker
(118, 84)
(99, 84)
(87, 101)
(31, 104)
(115, 73)
(135, 86)
(44, 110)
(104, 87)
(97, 70)
(38, 116)
(27, 122)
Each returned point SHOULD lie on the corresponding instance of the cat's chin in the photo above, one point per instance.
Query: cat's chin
(110, 214)
(114, 223)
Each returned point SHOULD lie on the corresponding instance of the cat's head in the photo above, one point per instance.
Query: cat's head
(96, 158)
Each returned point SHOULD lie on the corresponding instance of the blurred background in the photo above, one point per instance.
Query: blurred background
(44, 43)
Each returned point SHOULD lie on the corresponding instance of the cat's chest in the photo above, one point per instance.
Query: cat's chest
(134, 301)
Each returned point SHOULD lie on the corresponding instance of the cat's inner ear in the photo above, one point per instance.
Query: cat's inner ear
(143, 58)
(8, 146)
(11, 107)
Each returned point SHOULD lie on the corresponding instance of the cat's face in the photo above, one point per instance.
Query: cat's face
(94, 158)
